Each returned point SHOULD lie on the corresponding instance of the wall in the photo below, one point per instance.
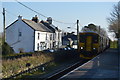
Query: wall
(58, 38)
(43, 42)
(25, 42)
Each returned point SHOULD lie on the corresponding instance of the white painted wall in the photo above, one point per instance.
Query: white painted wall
(24, 42)
(43, 40)
(29, 41)
(58, 38)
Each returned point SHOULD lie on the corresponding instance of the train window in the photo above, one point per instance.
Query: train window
(82, 38)
(95, 39)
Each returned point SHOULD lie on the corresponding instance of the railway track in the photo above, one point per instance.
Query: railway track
(65, 71)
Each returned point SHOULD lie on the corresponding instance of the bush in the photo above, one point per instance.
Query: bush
(6, 49)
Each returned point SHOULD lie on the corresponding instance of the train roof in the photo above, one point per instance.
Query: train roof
(94, 33)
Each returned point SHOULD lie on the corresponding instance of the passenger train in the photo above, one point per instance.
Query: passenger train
(91, 43)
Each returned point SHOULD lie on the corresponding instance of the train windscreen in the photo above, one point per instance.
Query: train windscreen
(82, 38)
(95, 38)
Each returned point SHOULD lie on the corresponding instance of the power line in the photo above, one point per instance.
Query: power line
(31, 9)
(62, 22)
(41, 14)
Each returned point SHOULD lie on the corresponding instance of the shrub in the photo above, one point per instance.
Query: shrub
(6, 49)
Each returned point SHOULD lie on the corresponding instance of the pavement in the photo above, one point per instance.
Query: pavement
(103, 67)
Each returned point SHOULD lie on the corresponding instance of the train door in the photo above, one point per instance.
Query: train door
(88, 43)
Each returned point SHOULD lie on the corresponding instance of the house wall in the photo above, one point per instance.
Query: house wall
(58, 38)
(25, 42)
(43, 41)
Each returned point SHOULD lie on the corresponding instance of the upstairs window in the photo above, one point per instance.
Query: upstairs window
(51, 37)
(54, 36)
(38, 36)
(46, 36)
(20, 33)
(58, 36)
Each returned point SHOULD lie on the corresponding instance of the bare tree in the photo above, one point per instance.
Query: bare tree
(114, 20)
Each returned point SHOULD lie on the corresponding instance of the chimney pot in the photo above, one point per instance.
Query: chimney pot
(19, 17)
(35, 19)
(49, 19)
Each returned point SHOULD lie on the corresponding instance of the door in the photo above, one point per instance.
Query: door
(88, 43)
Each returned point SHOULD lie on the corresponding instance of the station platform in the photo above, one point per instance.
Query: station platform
(105, 66)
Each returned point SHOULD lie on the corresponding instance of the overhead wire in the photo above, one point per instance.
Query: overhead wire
(41, 14)
(31, 9)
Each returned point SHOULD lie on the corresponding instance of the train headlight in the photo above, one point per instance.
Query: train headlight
(94, 48)
(81, 47)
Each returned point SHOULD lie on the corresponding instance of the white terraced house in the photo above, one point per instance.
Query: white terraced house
(31, 35)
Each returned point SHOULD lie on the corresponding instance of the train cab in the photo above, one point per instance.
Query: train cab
(88, 44)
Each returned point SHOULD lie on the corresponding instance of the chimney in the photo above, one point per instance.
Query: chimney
(19, 17)
(35, 19)
(49, 19)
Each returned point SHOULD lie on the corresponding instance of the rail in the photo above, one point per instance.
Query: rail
(65, 71)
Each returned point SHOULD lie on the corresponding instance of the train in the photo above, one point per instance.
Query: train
(91, 43)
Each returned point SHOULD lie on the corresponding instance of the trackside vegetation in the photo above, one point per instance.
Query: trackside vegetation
(13, 64)
(113, 44)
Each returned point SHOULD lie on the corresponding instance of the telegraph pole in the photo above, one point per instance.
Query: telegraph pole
(77, 34)
(3, 25)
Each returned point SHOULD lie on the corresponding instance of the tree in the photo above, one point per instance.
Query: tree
(6, 49)
(114, 20)
(90, 27)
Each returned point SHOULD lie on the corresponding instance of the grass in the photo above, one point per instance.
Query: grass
(52, 66)
(15, 66)
(11, 67)
(40, 72)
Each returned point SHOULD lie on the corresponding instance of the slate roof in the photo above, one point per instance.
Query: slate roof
(37, 26)
(43, 26)
(50, 26)
(73, 37)
(56, 28)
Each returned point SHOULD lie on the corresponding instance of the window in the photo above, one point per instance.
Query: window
(51, 37)
(46, 36)
(38, 46)
(38, 35)
(82, 38)
(95, 39)
(20, 33)
(58, 36)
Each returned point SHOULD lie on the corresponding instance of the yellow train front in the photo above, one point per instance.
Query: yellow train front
(91, 44)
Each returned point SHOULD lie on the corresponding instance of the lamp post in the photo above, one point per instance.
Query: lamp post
(77, 34)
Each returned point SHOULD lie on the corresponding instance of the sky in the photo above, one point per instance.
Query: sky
(67, 12)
